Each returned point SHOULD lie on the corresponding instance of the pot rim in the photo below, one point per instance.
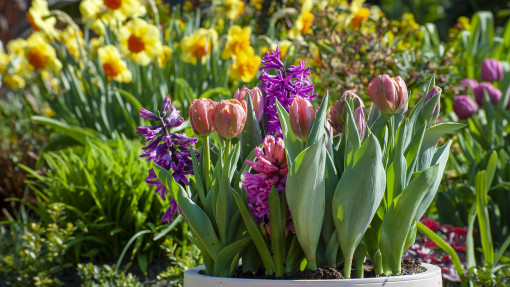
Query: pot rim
(431, 271)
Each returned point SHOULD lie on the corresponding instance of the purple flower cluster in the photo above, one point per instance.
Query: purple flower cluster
(272, 169)
(284, 86)
(168, 150)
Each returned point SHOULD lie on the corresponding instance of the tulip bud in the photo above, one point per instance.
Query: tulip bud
(201, 113)
(467, 84)
(361, 123)
(256, 99)
(493, 92)
(388, 94)
(229, 118)
(435, 90)
(464, 107)
(301, 117)
(338, 112)
(492, 70)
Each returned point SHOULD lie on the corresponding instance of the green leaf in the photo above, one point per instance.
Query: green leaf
(253, 230)
(319, 125)
(470, 245)
(358, 195)
(251, 136)
(305, 193)
(401, 215)
(483, 216)
(445, 247)
(197, 219)
(131, 99)
(432, 136)
(225, 258)
(292, 144)
(277, 226)
(223, 209)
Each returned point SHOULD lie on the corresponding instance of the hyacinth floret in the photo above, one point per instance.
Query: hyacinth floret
(283, 86)
(169, 150)
(271, 168)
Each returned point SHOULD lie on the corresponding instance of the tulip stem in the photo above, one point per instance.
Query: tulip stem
(227, 148)
(207, 163)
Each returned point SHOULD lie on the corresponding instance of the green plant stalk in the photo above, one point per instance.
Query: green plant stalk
(483, 217)
(347, 267)
(207, 163)
(227, 148)
(423, 229)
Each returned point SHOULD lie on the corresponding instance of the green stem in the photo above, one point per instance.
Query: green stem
(227, 148)
(311, 265)
(347, 268)
(206, 163)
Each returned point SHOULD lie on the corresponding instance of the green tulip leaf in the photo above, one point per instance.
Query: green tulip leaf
(305, 193)
(251, 135)
(357, 197)
(400, 216)
(197, 219)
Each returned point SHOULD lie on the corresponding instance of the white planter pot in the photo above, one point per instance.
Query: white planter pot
(430, 278)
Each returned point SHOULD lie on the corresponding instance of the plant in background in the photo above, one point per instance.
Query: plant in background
(88, 179)
(183, 257)
(33, 253)
(94, 276)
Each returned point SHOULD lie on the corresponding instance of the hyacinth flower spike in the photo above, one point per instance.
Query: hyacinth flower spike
(170, 151)
(283, 87)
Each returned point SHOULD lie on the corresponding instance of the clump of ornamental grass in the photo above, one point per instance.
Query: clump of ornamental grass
(325, 189)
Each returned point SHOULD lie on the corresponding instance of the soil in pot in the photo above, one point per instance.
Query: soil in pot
(409, 266)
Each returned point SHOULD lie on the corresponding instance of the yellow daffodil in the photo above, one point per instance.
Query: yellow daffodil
(245, 66)
(4, 62)
(284, 46)
(109, 12)
(302, 25)
(231, 8)
(165, 56)
(14, 81)
(257, 4)
(13, 65)
(113, 65)
(17, 47)
(40, 54)
(140, 41)
(73, 40)
(357, 15)
(37, 17)
(198, 45)
(48, 112)
(238, 39)
(360, 17)
(463, 23)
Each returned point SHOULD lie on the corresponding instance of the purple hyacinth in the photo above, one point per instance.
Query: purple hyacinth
(284, 86)
(169, 150)
(271, 168)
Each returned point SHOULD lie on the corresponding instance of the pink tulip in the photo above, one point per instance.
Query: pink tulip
(256, 99)
(435, 90)
(201, 112)
(492, 70)
(388, 94)
(361, 123)
(338, 112)
(229, 118)
(301, 117)
(464, 107)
